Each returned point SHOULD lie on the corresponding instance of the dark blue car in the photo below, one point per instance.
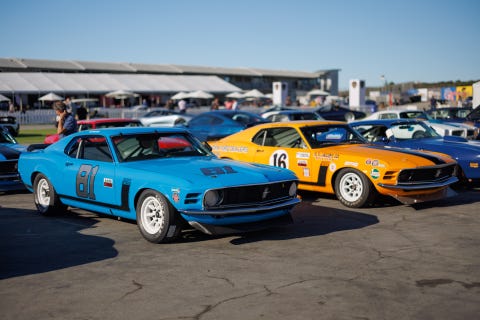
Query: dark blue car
(10, 151)
(214, 125)
(416, 135)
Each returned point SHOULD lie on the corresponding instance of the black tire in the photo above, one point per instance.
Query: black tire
(418, 134)
(45, 197)
(157, 220)
(354, 189)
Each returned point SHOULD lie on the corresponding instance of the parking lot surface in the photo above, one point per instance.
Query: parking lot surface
(390, 261)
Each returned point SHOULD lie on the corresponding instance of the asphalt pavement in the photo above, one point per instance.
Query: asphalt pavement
(390, 261)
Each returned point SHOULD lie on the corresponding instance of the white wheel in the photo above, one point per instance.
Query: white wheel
(353, 188)
(152, 215)
(156, 218)
(42, 192)
(46, 199)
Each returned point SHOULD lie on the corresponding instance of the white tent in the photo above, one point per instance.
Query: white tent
(179, 96)
(50, 97)
(3, 98)
(317, 92)
(121, 94)
(253, 94)
(200, 95)
(235, 95)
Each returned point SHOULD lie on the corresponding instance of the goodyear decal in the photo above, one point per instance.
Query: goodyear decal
(432, 158)
(233, 149)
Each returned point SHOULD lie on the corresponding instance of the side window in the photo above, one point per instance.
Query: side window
(388, 116)
(90, 148)
(202, 121)
(259, 138)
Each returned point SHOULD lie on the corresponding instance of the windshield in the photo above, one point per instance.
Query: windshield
(137, 147)
(6, 137)
(323, 135)
(406, 131)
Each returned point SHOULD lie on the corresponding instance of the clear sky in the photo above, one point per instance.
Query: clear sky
(405, 40)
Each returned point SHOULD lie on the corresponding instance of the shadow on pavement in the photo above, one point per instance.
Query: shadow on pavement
(31, 244)
(312, 220)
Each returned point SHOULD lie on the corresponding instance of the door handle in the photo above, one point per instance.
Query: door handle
(260, 150)
(68, 163)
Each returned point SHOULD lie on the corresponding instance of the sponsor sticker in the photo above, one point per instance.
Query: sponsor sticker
(108, 183)
(175, 194)
(332, 167)
(325, 156)
(303, 155)
(375, 174)
(306, 172)
(351, 163)
(302, 163)
(234, 149)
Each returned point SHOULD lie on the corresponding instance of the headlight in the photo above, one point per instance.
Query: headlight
(212, 198)
(293, 190)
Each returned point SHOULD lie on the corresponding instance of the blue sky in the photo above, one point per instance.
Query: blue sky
(407, 40)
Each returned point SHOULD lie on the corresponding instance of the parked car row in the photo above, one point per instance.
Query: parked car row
(168, 179)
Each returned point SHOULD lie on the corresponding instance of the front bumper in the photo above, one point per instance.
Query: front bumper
(242, 227)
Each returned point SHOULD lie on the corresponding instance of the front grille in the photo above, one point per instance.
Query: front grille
(256, 195)
(430, 174)
(8, 167)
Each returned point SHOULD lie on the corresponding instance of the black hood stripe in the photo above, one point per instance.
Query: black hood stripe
(9, 153)
(432, 158)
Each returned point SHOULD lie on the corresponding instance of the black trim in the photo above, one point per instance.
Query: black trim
(124, 196)
(432, 158)
(322, 176)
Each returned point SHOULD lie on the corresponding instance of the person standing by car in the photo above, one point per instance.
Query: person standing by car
(182, 106)
(66, 121)
(82, 113)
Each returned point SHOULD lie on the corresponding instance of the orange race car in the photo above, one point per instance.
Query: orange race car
(331, 157)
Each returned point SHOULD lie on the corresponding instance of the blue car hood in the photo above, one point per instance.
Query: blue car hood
(213, 172)
(10, 151)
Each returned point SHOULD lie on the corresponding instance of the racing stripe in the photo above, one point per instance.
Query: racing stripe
(9, 153)
(432, 158)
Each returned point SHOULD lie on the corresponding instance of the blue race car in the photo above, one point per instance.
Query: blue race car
(417, 135)
(163, 178)
(214, 125)
(10, 151)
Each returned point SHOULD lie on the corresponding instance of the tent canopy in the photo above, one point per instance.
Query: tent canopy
(50, 97)
(253, 94)
(3, 98)
(101, 83)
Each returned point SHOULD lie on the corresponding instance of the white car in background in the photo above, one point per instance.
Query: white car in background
(164, 118)
(441, 128)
